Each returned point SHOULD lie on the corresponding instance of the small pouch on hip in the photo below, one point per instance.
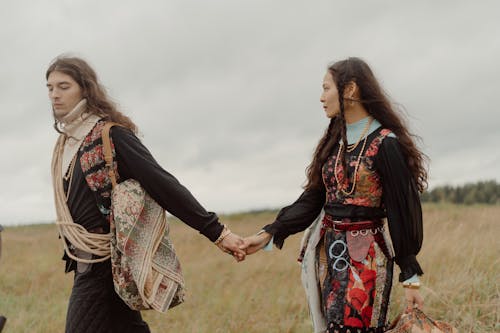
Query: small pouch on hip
(358, 244)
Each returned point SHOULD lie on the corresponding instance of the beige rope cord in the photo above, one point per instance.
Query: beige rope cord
(75, 234)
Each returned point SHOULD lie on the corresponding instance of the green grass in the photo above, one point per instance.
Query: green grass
(460, 258)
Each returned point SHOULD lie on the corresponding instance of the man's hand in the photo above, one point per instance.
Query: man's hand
(231, 244)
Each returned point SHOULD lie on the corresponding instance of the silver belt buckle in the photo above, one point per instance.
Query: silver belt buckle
(334, 224)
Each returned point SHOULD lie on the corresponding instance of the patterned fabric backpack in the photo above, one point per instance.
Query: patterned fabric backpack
(146, 271)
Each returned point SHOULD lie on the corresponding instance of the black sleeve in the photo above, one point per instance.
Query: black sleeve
(402, 202)
(136, 162)
(298, 216)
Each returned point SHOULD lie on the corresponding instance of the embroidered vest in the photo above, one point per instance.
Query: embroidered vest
(94, 168)
(368, 191)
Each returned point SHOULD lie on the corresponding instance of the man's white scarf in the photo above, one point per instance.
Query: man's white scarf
(76, 125)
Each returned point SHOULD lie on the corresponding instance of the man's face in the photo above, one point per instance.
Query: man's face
(64, 93)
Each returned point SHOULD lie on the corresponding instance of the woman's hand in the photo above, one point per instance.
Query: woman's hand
(413, 299)
(254, 243)
(231, 244)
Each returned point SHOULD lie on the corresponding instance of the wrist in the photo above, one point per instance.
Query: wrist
(411, 285)
(225, 232)
(264, 236)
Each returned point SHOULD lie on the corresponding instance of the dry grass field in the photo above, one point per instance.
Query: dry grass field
(460, 258)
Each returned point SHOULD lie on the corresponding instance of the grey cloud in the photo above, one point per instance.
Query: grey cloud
(226, 93)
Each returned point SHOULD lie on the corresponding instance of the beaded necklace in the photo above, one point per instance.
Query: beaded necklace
(349, 149)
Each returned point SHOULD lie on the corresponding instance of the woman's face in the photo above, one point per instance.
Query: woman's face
(330, 96)
(64, 93)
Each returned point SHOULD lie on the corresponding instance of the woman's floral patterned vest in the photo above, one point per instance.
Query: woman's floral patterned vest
(368, 191)
(94, 168)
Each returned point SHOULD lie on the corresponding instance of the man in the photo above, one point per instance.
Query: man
(82, 188)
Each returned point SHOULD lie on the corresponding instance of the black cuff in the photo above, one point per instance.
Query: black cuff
(213, 230)
(409, 266)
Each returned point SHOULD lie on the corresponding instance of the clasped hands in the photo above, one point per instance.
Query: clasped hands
(239, 247)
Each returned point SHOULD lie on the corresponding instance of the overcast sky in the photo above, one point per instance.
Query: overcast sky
(226, 93)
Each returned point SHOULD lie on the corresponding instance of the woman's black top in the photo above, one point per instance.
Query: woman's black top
(401, 205)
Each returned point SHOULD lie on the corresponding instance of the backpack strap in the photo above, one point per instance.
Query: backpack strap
(108, 154)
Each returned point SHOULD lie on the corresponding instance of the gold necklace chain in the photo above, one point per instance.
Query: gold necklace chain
(356, 168)
(350, 148)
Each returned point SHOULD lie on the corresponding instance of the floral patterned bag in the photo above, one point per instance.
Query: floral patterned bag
(418, 322)
(146, 271)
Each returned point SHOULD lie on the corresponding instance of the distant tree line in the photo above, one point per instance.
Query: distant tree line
(485, 192)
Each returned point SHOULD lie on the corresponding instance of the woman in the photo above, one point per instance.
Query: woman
(366, 168)
(81, 108)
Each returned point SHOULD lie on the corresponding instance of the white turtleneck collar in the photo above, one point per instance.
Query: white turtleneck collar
(71, 120)
(76, 125)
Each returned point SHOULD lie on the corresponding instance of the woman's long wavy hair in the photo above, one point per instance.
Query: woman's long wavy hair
(376, 102)
(98, 101)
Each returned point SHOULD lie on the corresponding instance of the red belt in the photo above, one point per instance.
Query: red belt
(346, 225)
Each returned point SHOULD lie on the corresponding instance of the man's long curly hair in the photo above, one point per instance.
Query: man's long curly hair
(98, 101)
